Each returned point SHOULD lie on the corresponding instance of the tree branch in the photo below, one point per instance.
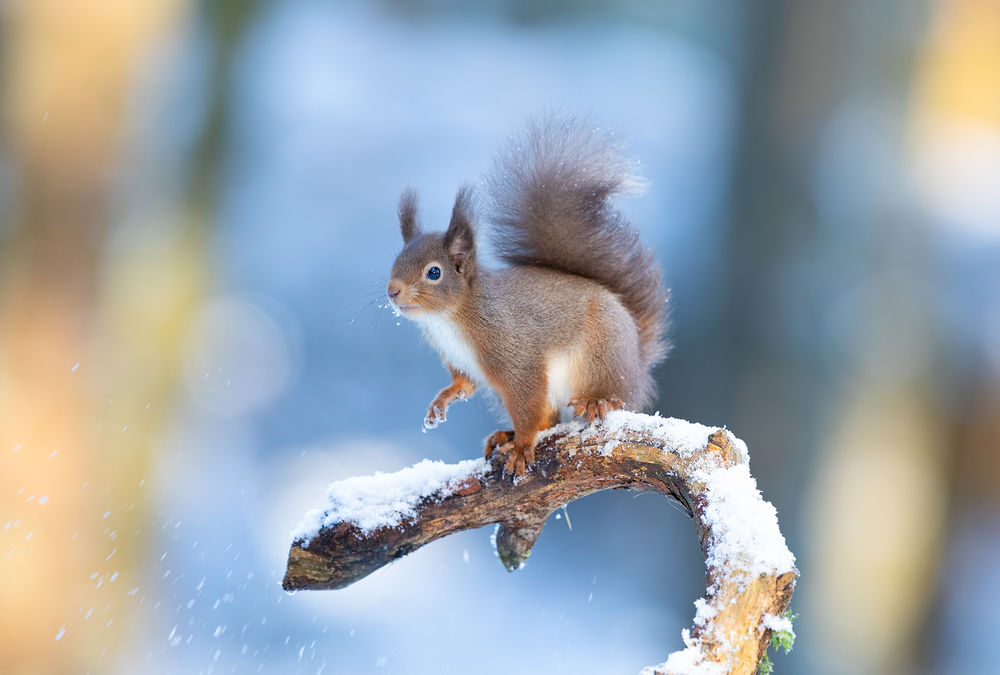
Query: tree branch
(369, 522)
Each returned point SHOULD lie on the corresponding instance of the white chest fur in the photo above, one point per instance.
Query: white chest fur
(449, 342)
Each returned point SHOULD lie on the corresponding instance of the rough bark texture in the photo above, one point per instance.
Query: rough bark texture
(568, 466)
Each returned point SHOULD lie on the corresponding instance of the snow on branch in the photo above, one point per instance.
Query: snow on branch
(368, 522)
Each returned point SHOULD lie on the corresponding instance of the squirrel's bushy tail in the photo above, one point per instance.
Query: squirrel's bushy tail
(549, 194)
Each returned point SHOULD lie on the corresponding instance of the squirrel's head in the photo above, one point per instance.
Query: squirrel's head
(435, 270)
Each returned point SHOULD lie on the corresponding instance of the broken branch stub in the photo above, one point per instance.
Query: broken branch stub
(369, 522)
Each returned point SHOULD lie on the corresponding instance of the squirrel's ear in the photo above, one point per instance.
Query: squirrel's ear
(408, 224)
(460, 239)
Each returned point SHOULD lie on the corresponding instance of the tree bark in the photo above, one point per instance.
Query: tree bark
(572, 463)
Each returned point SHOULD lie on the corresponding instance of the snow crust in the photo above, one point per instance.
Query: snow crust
(685, 437)
(386, 499)
(779, 624)
(687, 661)
(745, 534)
(704, 612)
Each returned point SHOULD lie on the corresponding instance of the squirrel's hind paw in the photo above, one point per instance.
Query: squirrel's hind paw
(595, 408)
(496, 441)
(519, 458)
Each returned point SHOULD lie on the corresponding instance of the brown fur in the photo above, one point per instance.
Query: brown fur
(550, 193)
(581, 301)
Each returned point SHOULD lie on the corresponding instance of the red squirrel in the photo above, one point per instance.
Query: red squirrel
(575, 322)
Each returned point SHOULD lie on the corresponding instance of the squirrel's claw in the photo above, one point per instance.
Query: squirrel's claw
(594, 408)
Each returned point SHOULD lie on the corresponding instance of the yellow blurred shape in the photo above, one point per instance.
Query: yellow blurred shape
(69, 495)
(959, 72)
(955, 124)
(876, 517)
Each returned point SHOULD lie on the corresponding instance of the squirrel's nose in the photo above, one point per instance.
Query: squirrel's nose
(394, 289)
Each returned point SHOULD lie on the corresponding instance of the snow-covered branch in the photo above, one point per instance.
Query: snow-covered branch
(369, 522)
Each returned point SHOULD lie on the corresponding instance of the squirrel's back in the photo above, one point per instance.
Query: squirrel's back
(549, 206)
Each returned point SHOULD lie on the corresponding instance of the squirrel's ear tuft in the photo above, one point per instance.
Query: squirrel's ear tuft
(460, 239)
(408, 224)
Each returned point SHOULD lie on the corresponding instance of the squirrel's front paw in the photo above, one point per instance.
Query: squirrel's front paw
(438, 412)
(435, 415)
(595, 408)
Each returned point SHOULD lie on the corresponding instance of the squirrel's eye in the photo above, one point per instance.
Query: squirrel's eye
(434, 273)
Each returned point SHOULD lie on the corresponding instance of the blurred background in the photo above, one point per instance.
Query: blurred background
(197, 218)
